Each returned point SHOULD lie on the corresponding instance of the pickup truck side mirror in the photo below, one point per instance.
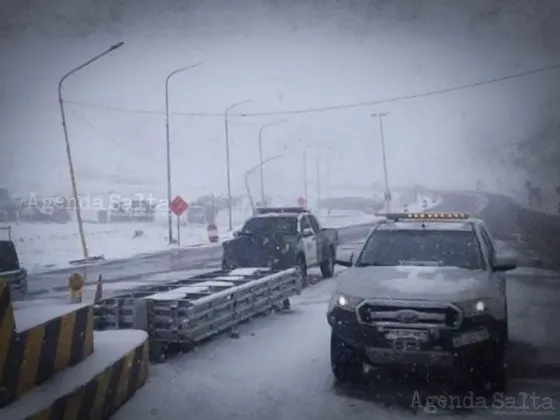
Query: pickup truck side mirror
(307, 232)
(346, 263)
(235, 233)
(503, 263)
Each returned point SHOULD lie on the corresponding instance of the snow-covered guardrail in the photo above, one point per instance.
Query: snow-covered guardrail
(188, 311)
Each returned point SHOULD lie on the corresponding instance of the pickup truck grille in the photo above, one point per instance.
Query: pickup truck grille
(409, 314)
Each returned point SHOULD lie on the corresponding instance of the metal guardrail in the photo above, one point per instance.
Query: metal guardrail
(188, 311)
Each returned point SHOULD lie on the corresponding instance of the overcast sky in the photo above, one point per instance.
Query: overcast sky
(283, 59)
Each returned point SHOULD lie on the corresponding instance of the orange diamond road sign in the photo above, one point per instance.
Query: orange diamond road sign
(301, 202)
(178, 206)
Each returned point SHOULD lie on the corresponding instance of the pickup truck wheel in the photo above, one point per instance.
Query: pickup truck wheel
(327, 266)
(490, 374)
(346, 363)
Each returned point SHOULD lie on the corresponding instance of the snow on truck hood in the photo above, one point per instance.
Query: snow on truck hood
(444, 284)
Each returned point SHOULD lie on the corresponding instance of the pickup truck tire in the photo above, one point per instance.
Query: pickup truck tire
(346, 363)
(490, 373)
(496, 375)
(327, 265)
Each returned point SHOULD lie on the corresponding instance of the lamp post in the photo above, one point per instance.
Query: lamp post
(168, 148)
(226, 124)
(250, 171)
(305, 150)
(67, 141)
(261, 153)
(388, 197)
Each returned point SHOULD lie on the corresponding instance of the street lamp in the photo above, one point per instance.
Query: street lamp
(250, 171)
(226, 124)
(261, 152)
(168, 148)
(305, 150)
(67, 141)
(387, 190)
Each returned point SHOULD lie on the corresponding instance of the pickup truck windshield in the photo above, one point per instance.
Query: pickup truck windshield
(281, 224)
(422, 247)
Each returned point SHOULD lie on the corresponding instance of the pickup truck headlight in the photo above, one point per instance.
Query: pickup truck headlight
(475, 307)
(344, 301)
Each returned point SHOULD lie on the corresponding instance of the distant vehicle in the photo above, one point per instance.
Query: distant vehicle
(135, 210)
(8, 207)
(282, 238)
(44, 210)
(10, 269)
(426, 289)
(196, 215)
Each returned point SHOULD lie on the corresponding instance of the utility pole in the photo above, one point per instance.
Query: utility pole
(388, 197)
(250, 171)
(305, 195)
(228, 169)
(67, 141)
(168, 149)
(261, 153)
(318, 170)
(329, 190)
(306, 148)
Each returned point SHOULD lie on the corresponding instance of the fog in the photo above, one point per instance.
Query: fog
(283, 57)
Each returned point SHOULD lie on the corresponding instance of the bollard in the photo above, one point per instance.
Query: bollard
(76, 284)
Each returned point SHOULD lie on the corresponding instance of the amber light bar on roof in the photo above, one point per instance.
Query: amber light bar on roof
(427, 216)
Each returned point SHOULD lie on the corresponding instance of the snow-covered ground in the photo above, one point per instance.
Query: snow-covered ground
(550, 199)
(550, 203)
(46, 246)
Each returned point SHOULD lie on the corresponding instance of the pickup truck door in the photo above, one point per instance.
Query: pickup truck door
(319, 239)
(309, 242)
(497, 280)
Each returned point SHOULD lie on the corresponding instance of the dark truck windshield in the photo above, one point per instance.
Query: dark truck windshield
(283, 225)
(422, 247)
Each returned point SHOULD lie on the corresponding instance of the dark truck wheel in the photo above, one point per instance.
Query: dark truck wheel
(496, 372)
(327, 265)
(489, 369)
(226, 267)
(346, 363)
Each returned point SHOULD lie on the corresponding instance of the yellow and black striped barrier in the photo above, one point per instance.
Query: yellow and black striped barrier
(29, 358)
(105, 393)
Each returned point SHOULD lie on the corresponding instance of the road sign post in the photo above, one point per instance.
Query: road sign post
(178, 231)
(178, 206)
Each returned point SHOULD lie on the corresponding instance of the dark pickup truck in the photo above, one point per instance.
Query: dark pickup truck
(10, 270)
(281, 238)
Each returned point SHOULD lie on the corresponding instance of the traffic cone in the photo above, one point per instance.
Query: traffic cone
(98, 290)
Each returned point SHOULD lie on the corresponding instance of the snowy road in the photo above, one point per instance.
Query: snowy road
(279, 366)
(146, 267)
